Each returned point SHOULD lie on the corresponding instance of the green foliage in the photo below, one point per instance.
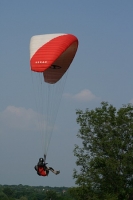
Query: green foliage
(23, 198)
(78, 193)
(8, 191)
(106, 156)
(3, 196)
(20, 192)
(51, 195)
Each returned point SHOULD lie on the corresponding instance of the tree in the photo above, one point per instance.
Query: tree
(23, 198)
(8, 191)
(3, 196)
(78, 193)
(106, 155)
(51, 195)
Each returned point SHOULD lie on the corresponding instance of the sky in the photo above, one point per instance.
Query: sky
(102, 70)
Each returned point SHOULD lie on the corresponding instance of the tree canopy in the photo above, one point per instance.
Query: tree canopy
(25, 192)
(105, 158)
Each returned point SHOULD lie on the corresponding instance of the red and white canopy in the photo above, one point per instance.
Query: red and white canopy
(52, 54)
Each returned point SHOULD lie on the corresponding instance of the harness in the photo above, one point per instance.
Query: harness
(42, 169)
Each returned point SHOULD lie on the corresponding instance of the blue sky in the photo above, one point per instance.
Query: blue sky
(101, 71)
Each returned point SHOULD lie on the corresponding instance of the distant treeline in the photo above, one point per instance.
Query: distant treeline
(25, 192)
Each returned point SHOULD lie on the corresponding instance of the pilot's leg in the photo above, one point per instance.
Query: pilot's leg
(54, 171)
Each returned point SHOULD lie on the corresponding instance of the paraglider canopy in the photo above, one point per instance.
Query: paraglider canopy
(52, 54)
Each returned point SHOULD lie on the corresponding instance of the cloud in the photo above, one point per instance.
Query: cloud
(83, 96)
(131, 101)
(19, 118)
